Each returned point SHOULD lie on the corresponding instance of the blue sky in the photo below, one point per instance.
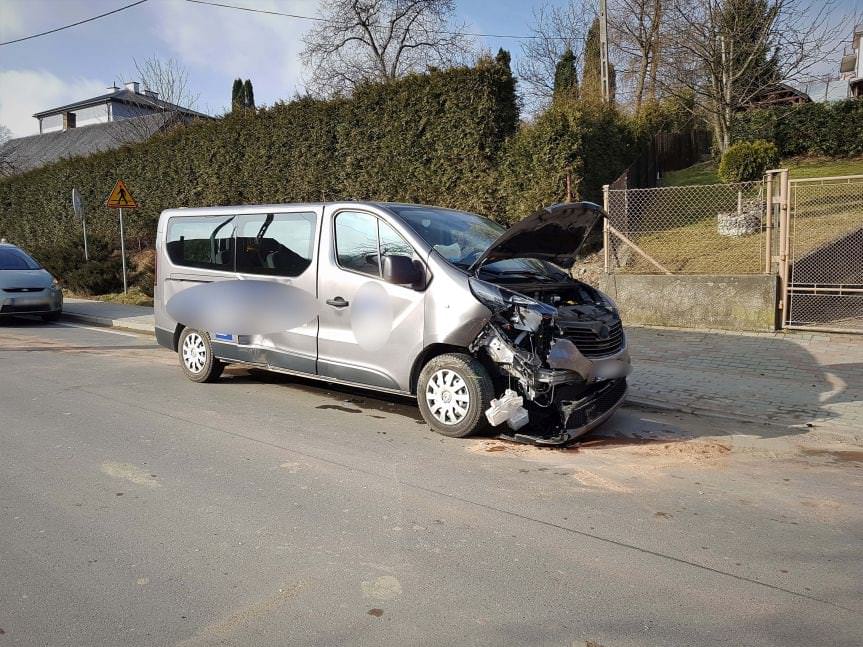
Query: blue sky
(216, 45)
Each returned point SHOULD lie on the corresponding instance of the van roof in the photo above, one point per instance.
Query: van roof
(257, 208)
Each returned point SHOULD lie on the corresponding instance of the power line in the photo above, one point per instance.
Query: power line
(267, 11)
(74, 24)
(324, 20)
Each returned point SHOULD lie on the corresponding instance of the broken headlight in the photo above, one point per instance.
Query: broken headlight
(496, 298)
(607, 301)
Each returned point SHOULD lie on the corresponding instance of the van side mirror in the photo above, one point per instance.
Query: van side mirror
(401, 270)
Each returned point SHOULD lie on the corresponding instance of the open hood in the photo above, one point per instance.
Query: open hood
(554, 234)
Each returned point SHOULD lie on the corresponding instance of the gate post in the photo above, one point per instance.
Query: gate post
(605, 236)
(768, 223)
(784, 245)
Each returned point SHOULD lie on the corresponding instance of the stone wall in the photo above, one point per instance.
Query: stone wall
(741, 302)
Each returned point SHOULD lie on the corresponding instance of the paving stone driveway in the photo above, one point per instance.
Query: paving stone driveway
(792, 379)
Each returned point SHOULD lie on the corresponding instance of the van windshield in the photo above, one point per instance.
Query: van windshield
(461, 238)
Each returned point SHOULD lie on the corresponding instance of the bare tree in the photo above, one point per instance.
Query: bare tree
(727, 53)
(164, 96)
(379, 40)
(635, 28)
(555, 30)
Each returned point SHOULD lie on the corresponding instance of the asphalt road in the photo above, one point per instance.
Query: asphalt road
(138, 508)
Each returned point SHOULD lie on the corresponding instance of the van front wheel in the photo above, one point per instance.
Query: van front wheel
(196, 356)
(453, 392)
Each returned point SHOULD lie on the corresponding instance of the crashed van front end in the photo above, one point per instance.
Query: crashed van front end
(556, 344)
(566, 358)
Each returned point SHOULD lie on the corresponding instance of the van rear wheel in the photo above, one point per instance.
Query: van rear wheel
(196, 356)
(453, 392)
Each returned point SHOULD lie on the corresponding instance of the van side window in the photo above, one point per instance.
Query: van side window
(202, 241)
(357, 242)
(392, 244)
(280, 244)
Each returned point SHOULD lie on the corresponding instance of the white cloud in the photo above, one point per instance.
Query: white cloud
(11, 20)
(23, 92)
(262, 47)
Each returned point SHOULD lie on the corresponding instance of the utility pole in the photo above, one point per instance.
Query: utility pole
(603, 50)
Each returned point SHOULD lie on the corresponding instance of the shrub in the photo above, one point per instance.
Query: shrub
(746, 161)
(100, 274)
(831, 129)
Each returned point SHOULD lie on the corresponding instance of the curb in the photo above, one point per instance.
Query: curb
(105, 322)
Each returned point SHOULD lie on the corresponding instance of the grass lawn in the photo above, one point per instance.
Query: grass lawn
(705, 172)
(678, 226)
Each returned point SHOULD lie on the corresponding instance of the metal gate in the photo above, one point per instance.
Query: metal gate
(821, 253)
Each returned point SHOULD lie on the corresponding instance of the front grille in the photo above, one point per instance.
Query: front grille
(590, 344)
(19, 290)
(608, 395)
(7, 309)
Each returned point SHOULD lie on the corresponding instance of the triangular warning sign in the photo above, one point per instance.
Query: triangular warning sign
(120, 197)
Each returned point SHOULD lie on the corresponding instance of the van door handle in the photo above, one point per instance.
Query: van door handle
(338, 302)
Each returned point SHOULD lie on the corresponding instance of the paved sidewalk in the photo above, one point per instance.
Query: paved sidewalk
(793, 379)
(116, 315)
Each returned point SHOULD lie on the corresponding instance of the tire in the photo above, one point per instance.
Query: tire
(196, 356)
(455, 378)
(52, 316)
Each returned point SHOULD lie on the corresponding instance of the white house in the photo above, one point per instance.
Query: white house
(121, 103)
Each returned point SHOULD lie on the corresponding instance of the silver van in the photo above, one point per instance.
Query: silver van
(483, 325)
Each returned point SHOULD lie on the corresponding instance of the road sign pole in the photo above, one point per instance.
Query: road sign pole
(78, 208)
(123, 251)
(86, 251)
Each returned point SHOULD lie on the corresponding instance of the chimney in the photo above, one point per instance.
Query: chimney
(133, 86)
(151, 93)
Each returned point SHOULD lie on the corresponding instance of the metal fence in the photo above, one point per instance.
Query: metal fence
(808, 232)
(706, 229)
(824, 287)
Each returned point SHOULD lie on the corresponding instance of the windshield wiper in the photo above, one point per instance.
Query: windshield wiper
(535, 275)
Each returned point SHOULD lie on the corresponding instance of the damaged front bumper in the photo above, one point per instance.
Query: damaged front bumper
(566, 394)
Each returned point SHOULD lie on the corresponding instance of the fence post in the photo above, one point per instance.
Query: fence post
(784, 245)
(768, 225)
(605, 236)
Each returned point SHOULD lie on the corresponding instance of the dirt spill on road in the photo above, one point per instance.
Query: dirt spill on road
(837, 455)
(611, 463)
(594, 480)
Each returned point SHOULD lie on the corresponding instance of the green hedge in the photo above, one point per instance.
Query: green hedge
(445, 138)
(832, 129)
(591, 143)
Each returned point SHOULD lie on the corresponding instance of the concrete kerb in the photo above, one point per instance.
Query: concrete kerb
(107, 322)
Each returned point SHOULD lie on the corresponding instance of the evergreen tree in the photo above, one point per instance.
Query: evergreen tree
(742, 25)
(507, 94)
(566, 77)
(237, 98)
(591, 78)
(248, 95)
(504, 58)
